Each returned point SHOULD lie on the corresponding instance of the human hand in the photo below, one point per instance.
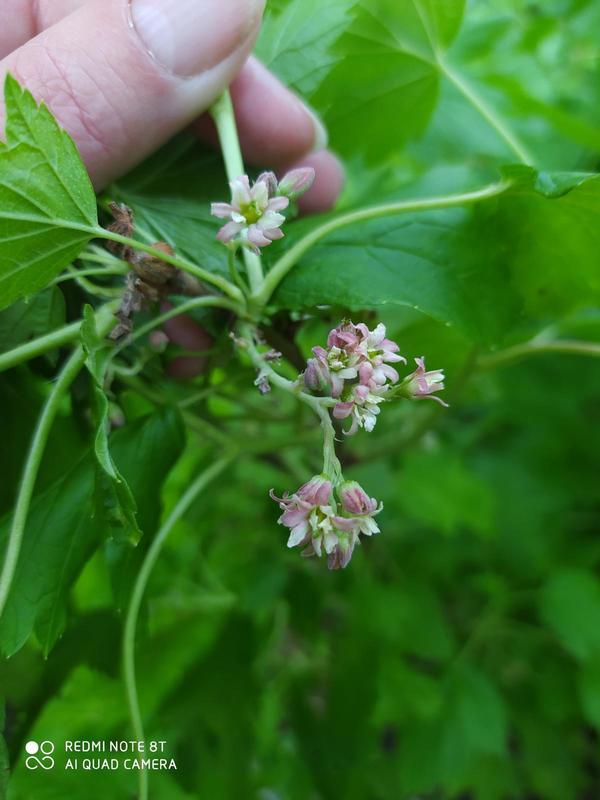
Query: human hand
(123, 77)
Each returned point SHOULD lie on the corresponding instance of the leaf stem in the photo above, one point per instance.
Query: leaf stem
(249, 335)
(137, 595)
(36, 347)
(81, 273)
(104, 321)
(224, 118)
(291, 256)
(177, 261)
(320, 405)
(535, 347)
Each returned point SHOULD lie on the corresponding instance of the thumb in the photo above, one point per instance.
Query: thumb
(123, 77)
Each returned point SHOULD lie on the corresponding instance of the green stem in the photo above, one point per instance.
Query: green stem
(320, 405)
(233, 270)
(534, 347)
(104, 321)
(137, 595)
(331, 463)
(177, 261)
(224, 118)
(36, 347)
(291, 256)
(316, 403)
(69, 276)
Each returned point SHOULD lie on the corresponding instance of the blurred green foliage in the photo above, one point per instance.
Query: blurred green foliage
(458, 656)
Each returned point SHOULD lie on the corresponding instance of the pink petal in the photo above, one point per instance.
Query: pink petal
(256, 236)
(342, 410)
(221, 209)
(229, 231)
(278, 203)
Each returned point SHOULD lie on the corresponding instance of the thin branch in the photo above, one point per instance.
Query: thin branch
(533, 347)
(39, 346)
(137, 595)
(224, 118)
(177, 261)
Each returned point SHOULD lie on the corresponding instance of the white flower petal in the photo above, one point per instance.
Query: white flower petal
(271, 219)
(298, 533)
(240, 191)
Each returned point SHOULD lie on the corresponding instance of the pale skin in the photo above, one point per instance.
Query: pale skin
(123, 77)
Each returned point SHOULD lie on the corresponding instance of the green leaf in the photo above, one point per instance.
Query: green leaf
(550, 232)
(47, 204)
(298, 43)
(570, 606)
(30, 317)
(384, 90)
(456, 265)
(4, 760)
(62, 531)
(588, 684)
(114, 495)
(470, 725)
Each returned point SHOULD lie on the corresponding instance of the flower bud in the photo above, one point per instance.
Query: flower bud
(316, 491)
(271, 181)
(296, 182)
(317, 377)
(355, 500)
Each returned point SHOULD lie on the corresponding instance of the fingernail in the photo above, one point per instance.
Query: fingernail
(321, 139)
(187, 37)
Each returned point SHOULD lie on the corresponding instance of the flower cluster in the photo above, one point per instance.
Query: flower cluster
(356, 370)
(254, 211)
(321, 524)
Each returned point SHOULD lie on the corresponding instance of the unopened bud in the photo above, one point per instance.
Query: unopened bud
(296, 182)
(317, 377)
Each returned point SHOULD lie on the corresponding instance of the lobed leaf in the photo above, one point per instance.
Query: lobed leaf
(47, 204)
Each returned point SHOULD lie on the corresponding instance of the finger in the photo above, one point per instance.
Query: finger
(24, 19)
(188, 334)
(122, 78)
(329, 181)
(275, 126)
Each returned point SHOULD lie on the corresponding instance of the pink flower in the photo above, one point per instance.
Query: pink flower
(346, 336)
(304, 510)
(254, 212)
(363, 508)
(363, 400)
(296, 182)
(340, 556)
(317, 377)
(334, 367)
(421, 384)
(315, 523)
(381, 351)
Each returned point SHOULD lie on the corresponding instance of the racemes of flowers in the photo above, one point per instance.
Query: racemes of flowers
(348, 380)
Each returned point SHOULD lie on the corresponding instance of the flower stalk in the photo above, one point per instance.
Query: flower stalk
(224, 119)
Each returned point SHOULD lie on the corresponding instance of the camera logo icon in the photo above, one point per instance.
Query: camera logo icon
(34, 759)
